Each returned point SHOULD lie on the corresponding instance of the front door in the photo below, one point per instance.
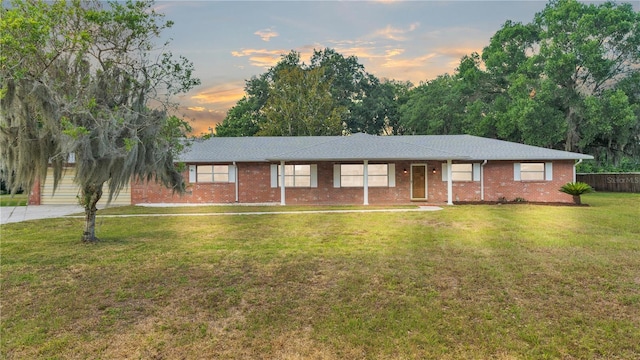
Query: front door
(418, 182)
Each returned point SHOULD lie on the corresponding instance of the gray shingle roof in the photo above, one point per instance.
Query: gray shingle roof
(366, 147)
(479, 148)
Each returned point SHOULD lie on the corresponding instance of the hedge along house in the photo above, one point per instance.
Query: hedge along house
(366, 169)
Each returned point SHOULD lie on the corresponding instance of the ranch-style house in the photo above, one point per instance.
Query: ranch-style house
(359, 169)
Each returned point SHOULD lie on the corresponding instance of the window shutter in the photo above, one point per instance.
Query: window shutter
(274, 175)
(314, 175)
(548, 171)
(444, 171)
(476, 172)
(336, 175)
(192, 173)
(391, 168)
(516, 171)
(232, 173)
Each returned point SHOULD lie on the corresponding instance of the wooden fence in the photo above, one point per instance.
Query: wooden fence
(614, 182)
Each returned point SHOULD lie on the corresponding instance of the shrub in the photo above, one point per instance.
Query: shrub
(576, 189)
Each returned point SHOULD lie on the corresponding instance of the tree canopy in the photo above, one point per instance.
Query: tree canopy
(332, 95)
(86, 78)
(567, 80)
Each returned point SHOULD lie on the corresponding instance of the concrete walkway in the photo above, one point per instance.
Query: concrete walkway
(12, 214)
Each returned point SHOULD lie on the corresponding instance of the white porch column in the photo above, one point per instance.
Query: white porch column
(235, 180)
(449, 184)
(282, 192)
(366, 182)
(482, 180)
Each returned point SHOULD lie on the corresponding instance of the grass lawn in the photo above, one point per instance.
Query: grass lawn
(13, 200)
(474, 281)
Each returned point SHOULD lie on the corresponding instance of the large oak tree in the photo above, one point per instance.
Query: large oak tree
(336, 88)
(568, 80)
(87, 78)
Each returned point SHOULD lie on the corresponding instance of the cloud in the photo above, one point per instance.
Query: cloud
(206, 107)
(394, 52)
(266, 34)
(396, 34)
(458, 52)
(217, 96)
(202, 121)
(261, 57)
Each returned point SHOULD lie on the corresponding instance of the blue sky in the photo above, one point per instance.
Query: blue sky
(231, 41)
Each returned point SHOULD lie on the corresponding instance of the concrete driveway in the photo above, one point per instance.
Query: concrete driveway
(12, 214)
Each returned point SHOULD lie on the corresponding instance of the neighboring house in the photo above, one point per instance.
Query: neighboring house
(366, 169)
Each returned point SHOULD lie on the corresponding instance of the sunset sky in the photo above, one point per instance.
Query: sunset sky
(231, 41)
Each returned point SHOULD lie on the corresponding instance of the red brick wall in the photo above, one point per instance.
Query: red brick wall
(254, 186)
(498, 182)
(35, 193)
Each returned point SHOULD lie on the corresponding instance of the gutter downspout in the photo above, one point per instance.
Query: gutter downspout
(574, 169)
(236, 181)
(482, 179)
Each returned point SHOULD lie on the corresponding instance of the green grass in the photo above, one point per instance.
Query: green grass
(477, 281)
(13, 200)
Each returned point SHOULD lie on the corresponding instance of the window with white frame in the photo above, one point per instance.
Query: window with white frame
(378, 175)
(532, 171)
(296, 175)
(212, 173)
(352, 175)
(462, 172)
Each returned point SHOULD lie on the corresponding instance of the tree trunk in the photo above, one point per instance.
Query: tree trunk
(572, 137)
(90, 195)
(576, 200)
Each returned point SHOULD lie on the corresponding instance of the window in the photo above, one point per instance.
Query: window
(300, 175)
(532, 171)
(462, 172)
(352, 175)
(378, 175)
(538, 171)
(212, 173)
(296, 175)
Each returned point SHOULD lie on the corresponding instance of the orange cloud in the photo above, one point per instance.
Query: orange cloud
(218, 96)
(458, 52)
(203, 122)
(394, 52)
(209, 106)
(260, 57)
(266, 34)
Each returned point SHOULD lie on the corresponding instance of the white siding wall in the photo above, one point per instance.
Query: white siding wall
(67, 192)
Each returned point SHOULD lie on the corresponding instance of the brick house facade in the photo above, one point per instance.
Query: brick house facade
(365, 169)
(254, 187)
